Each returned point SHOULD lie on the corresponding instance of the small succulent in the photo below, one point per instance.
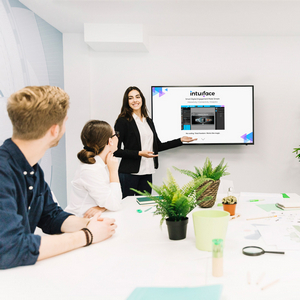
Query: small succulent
(229, 200)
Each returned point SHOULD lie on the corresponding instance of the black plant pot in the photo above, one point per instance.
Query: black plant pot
(177, 229)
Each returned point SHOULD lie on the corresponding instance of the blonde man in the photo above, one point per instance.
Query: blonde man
(38, 116)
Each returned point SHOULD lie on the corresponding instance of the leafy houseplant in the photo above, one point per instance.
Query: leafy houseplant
(229, 204)
(175, 203)
(208, 172)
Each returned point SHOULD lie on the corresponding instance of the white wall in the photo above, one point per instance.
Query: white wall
(272, 64)
(77, 85)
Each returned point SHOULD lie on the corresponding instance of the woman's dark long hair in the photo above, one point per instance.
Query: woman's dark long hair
(94, 136)
(126, 110)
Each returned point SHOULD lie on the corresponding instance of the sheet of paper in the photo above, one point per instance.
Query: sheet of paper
(283, 237)
(268, 233)
(261, 197)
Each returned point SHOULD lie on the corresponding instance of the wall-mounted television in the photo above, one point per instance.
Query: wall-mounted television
(219, 114)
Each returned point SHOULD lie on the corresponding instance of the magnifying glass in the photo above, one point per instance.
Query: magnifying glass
(256, 251)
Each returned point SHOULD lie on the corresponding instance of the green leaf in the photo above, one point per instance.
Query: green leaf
(296, 150)
(187, 172)
(207, 171)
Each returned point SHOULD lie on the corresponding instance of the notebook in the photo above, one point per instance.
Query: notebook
(145, 201)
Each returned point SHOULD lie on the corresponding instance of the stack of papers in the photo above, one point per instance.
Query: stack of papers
(290, 203)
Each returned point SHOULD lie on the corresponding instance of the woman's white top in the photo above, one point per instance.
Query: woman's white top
(146, 134)
(91, 187)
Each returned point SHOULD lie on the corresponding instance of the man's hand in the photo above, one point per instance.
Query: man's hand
(92, 211)
(101, 228)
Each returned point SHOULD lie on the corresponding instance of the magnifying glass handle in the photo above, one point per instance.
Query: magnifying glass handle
(276, 252)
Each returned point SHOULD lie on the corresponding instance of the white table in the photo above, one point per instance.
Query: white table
(141, 254)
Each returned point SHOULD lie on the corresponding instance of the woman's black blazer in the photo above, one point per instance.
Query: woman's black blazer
(131, 140)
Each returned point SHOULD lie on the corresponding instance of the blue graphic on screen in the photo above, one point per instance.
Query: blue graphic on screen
(160, 91)
(248, 138)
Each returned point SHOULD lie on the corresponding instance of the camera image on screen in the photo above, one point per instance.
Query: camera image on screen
(202, 118)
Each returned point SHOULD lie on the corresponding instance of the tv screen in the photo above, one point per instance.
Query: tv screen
(212, 114)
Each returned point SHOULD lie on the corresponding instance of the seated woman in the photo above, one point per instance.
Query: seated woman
(96, 185)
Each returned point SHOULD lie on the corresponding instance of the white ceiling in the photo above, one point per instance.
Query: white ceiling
(175, 17)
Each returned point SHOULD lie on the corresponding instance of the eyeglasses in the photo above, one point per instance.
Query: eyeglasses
(117, 134)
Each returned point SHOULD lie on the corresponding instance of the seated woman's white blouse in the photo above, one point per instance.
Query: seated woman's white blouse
(91, 187)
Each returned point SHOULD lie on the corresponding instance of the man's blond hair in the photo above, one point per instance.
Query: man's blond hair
(34, 109)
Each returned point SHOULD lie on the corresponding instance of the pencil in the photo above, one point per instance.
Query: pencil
(261, 218)
(234, 217)
(270, 284)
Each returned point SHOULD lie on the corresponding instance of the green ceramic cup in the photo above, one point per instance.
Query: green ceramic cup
(209, 225)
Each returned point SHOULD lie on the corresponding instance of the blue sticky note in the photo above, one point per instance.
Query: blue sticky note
(207, 292)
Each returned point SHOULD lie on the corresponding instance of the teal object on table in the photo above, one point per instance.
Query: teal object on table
(207, 292)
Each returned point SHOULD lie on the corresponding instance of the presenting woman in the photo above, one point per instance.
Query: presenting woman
(96, 185)
(138, 143)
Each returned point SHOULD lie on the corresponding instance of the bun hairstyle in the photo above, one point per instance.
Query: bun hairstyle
(94, 136)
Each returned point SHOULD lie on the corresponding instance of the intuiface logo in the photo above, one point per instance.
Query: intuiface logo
(204, 93)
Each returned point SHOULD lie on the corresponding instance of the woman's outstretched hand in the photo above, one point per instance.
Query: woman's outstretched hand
(187, 139)
(148, 154)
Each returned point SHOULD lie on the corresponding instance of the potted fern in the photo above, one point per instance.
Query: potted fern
(175, 203)
(212, 175)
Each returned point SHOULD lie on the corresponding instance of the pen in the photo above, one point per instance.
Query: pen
(261, 218)
(256, 200)
(148, 209)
